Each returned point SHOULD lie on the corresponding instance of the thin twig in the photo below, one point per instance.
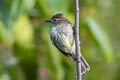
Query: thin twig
(77, 42)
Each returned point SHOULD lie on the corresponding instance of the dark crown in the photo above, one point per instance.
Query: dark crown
(59, 15)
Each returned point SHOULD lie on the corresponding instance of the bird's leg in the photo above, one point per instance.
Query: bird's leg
(76, 58)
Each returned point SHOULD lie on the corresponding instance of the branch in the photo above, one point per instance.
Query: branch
(77, 42)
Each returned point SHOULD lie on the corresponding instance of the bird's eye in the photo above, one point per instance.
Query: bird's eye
(54, 20)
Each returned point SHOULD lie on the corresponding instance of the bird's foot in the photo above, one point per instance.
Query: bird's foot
(77, 59)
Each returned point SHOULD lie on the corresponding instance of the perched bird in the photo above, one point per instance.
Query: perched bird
(63, 37)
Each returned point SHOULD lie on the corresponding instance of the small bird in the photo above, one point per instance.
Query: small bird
(62, 35)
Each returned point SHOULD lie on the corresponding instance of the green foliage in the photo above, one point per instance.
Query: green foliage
(26, 52)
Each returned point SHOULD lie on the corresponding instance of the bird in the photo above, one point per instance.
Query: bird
(62, 34)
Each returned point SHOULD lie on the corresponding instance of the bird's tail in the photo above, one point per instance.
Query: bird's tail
(84, 65)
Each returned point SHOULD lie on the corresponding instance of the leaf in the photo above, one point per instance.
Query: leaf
(101, 38)
(48, 7)
(4, 34)
(55, 8)
(23, 31)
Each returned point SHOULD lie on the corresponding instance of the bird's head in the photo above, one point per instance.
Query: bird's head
(58, 18)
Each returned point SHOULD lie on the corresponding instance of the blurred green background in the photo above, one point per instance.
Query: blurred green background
(26, 52)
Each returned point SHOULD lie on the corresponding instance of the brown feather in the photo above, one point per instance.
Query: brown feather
(59, 15)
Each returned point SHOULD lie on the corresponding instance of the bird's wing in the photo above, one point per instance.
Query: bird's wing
(62, 43)
(73, 39)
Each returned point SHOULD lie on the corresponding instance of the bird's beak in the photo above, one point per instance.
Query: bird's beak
(49, 21)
